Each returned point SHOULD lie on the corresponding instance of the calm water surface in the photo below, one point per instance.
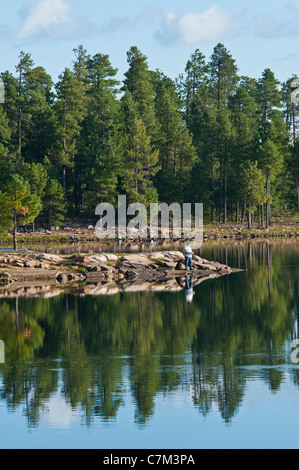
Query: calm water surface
(147, 370)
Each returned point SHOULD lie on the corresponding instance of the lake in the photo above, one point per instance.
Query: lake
(147, 370)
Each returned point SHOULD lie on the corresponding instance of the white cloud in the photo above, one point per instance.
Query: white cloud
(196, 27)
(45, 17)
(57, 414)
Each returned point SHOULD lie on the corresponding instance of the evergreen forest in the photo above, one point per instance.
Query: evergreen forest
(210, 135)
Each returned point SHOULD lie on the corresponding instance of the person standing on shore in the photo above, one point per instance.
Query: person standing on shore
(188, 256)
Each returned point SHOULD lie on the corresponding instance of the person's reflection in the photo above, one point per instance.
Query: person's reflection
(189, 290)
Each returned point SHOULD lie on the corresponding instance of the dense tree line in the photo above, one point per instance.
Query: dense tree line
(209, 136)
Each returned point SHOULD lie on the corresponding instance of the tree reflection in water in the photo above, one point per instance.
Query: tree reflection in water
(94, 350)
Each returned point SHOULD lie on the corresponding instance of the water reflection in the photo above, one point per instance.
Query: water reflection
(189, 290)
(94, 351)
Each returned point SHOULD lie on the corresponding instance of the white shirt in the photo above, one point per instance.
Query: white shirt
(188, 251)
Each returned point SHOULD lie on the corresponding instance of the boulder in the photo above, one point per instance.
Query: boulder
(18, 263)
(99, 258)
(49, 257)
(82, 259)
(161, 255)
(29, 263)
(111, 257)
(176, 255)
(136, 259)
(197, 259)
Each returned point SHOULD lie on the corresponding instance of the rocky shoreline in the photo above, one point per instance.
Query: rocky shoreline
(42, 274)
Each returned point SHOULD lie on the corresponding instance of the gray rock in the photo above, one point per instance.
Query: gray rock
(95, 269)
(29, 264)
(111, 257)
(99, 258)
(136, 259)
(49, 257)
(18, 264)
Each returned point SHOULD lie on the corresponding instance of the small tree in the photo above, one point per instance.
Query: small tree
(271, 159)
(18, 205)
(252, 188)
(37, 177)
(54, 202)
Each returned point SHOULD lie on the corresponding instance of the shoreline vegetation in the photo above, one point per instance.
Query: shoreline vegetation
(84, 232)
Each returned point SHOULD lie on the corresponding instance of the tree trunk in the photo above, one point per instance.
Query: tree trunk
(249, 218)
(136, 171)
(50, 215)
(237, 211)
(220, 208)
(212, 182)
(20, 132)
(181, 172)
(64, 177)
(268, 207)
(225, 188)
(259, 216)
(20, 116)
(15, 233)
(243, 215)
(297, 189)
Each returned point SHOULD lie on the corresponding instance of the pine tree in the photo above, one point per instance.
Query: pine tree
(70, 109)
(243, 107)
(290, 114)
(40, 130)
(269, 98)
(251, 187)
(54, 203)
(18, 205)
(139, 84)
(274, 136)
(36, 175)
(270, 159)
(101, 145)
(176, 151)
(141, 166)
(223, 76)
(226, 142)
(189, 86)
(11, 110)
(23, 70)
(204, 127)
(7, 160)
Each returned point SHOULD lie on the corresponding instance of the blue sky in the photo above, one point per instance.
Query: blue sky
(258, 33)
